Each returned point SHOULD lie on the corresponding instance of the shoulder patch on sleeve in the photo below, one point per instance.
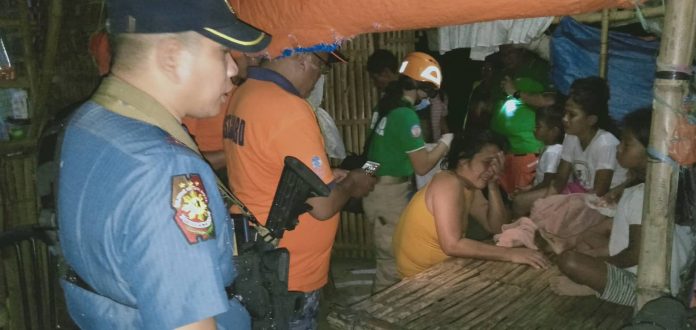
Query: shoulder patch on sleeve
(415, 130)
(190, 203)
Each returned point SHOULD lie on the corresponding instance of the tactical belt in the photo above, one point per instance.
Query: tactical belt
(72, 277)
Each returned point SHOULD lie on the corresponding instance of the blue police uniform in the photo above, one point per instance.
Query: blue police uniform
(143, 224)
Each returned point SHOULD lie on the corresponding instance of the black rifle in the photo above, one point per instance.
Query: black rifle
(262, 280)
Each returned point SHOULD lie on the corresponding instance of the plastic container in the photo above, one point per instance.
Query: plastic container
(18, 101)
(17, 129)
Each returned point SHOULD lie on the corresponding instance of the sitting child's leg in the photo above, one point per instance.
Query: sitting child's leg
(584, 269)
(563, 286)
(615, 284)
(595, 240)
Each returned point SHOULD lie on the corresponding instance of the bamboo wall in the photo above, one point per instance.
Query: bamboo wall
(349, 97)
(76, 75)
(52, 64)
(49, 50)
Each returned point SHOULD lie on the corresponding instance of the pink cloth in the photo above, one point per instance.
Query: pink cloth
(518, 233)
(562, 219)
(573, 188)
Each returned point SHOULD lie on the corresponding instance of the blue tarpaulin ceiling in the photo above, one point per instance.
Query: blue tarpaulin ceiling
(630, 68)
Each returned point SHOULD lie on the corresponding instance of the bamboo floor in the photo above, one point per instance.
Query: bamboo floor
(475, 294)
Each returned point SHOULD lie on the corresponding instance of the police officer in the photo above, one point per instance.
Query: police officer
(142, 224)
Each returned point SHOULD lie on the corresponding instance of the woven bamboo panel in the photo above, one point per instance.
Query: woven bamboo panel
(475, 294)
(18, 185)
(349, 98)
(75, 75)
(41, 311)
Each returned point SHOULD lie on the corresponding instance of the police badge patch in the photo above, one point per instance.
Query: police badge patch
(190, 203)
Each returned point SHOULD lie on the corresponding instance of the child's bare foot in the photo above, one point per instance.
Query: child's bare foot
(564, 286)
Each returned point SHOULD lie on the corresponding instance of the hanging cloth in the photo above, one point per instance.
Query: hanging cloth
(484, 37)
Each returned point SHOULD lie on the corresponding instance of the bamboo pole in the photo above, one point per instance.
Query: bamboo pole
(616, 15)
(604, 44)
(29, 54)
(671, 84)
(48, 64)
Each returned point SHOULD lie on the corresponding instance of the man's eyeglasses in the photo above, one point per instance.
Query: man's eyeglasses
(326, 67)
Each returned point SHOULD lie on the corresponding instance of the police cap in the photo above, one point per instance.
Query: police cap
(214, 19)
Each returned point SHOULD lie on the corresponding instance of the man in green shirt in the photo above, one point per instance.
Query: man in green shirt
(516, 120)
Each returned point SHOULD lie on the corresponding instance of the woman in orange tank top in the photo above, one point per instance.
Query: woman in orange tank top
(430, 228)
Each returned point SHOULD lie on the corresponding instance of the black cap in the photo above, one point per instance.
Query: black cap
(211, 18)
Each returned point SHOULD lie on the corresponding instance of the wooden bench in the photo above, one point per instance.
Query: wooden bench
(465, 293)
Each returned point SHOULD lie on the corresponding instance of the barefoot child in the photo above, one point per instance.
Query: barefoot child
(615, 276)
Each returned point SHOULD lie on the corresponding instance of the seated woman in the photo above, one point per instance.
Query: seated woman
(430, 228)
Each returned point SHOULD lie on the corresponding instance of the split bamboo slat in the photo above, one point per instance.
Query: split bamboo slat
(18, 185)
(475, 294)
(604, 44)
(350, 97)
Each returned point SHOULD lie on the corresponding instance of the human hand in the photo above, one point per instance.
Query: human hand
(610, 198)
(447, 139)
(361, 183)
(497, 166)
(530, 257)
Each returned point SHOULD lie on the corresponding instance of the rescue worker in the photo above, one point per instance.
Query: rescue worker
(269, 119)
(398, 145)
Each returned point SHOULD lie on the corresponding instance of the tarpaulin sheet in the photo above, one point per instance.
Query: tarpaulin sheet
(630, 67)
(304, 23)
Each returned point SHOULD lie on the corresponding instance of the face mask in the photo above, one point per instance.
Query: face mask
(424, 103)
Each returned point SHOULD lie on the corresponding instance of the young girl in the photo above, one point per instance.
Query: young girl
(615, 276)
(589, 147)
(431, 227)
(549, 130)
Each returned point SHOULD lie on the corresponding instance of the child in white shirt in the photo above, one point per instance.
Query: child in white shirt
(588, 158)
(549, 130)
